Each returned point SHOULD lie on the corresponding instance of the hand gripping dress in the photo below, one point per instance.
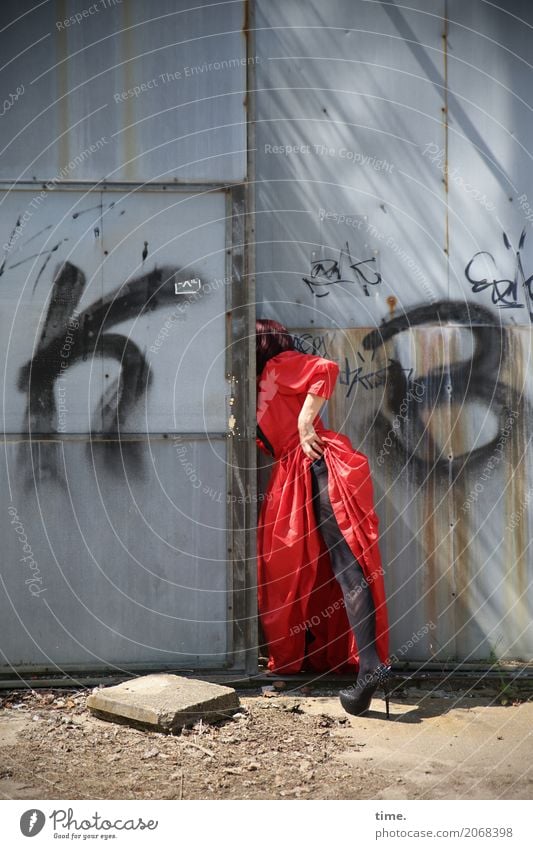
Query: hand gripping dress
(301, 605)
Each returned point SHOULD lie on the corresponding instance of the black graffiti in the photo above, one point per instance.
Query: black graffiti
(473, 379)
(69, 336)
(505, 292)
(328, 272)
(352, 375)
(309, 343)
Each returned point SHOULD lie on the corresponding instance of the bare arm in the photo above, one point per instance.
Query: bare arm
(310, 441)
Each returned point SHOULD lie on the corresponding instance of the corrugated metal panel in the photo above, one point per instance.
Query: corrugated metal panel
(392, 149)
(126, 568)
(127, 253)
(159, 88)
(345, 105)
(490, 156)
(130, 535)
(122, 334)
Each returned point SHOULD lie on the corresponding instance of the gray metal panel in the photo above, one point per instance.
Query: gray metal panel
(132, 566)
(442, 111)
(492, 501)
(159, 89)
(452, 475)
(490, 156)
(361, 90)
(118, 242)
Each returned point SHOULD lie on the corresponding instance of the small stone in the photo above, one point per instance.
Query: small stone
(237, 716)
(151, 753)
(253, 766)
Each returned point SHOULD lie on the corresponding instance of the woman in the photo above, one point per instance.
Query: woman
(320, 581)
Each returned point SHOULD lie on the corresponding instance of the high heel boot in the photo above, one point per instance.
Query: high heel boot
(356, 700)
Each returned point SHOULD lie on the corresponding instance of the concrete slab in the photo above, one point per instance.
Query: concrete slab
(164, 702)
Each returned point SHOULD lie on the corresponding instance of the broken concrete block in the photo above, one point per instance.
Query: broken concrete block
(163, 701)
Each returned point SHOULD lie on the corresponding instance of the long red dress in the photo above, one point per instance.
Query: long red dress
(300, 602)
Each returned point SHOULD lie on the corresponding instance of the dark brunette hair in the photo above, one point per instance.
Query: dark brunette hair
(271, 338)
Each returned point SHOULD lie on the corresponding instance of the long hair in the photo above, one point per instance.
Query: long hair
(271, 339)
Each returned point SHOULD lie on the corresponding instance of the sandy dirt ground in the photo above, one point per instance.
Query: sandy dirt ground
(281, 745)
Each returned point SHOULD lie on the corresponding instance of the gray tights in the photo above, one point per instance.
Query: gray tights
(357, 594)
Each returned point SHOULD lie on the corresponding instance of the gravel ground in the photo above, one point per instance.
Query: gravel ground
(280, 745)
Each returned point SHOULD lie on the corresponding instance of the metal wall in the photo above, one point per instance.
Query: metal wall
(394, 215)
(124, 336)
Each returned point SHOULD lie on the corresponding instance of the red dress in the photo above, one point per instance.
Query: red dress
(300, 602)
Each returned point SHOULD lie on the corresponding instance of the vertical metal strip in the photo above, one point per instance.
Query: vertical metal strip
(446, 145)
(241, 449)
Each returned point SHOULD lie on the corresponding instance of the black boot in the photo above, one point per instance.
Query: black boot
(356, 700)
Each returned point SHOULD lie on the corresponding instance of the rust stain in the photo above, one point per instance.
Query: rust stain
(128, 134)
(516, 505)
(246, 18)
(460, 522)
(446, 138)
(62, 89)
(391, 303)
(430, 582)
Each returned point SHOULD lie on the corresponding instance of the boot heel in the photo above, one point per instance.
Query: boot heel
(385, 677)
(356, 700)
(386, 691)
